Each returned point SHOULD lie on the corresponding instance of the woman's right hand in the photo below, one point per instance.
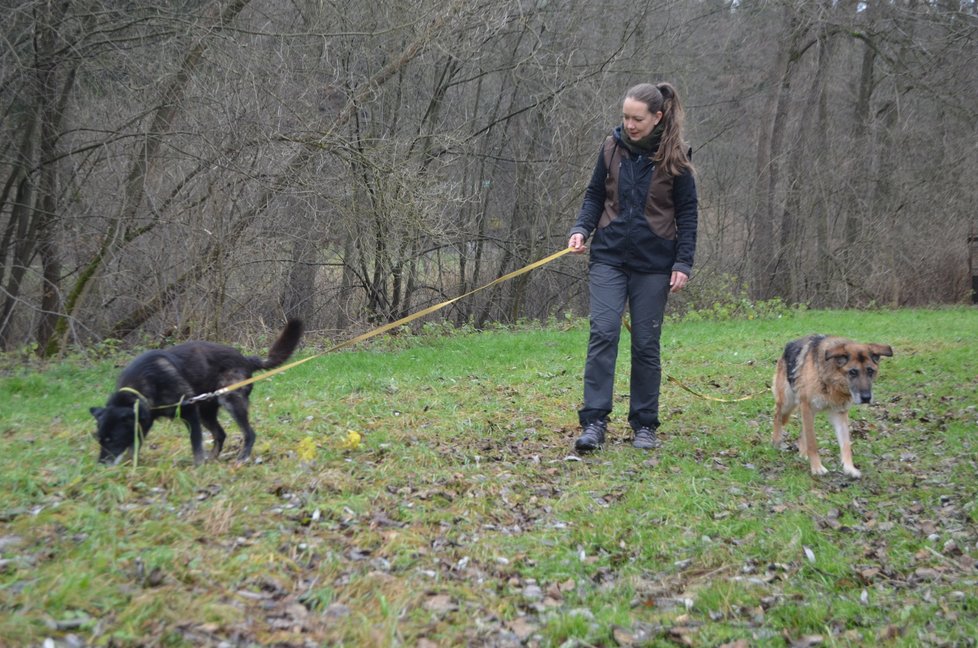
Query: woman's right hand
(576, 244)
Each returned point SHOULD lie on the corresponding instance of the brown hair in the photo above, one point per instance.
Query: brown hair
(672, 149)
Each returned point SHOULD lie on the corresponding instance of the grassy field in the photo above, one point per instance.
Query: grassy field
(464, 518)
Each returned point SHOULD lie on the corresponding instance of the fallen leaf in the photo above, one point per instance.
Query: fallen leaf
(681, 635)
(440, 604)
(805, 641)
(522, 628)
(889, 633)
(623, 637)
(809, 554)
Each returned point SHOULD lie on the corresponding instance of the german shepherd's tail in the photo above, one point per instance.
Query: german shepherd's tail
(283, 347)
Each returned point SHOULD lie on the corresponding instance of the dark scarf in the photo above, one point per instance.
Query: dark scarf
(648, 145)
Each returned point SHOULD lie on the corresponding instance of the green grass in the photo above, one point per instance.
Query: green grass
(463, 518)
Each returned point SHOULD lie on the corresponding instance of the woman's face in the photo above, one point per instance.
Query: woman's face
(636, 118)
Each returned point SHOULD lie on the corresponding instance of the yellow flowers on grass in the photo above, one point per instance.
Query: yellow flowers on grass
(351, 441)
(307, 449)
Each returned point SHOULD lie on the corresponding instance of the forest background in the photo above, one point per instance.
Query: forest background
(208, 168)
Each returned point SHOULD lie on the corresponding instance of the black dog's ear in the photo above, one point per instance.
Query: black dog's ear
(98, 413)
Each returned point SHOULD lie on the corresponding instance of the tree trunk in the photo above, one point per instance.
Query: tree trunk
(793, 273)
(769, 151)
(299, 293)
(49, 216)
(23, 230)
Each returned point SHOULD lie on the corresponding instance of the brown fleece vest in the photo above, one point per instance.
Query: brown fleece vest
(659, 209)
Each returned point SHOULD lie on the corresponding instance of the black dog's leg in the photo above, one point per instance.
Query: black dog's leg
(237, 404)
(191, 417)
(208, 416)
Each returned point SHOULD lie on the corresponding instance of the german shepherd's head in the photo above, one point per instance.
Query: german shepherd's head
(116, 431)
(857, 364)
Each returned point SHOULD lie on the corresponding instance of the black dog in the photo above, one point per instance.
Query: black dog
(158, 380)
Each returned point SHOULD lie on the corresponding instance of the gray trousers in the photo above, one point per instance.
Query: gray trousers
(646, 295)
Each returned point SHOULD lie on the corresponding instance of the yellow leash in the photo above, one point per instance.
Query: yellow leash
(693, 391)
(137, 430)
(710, 398)
(401, 322)
(375, 332)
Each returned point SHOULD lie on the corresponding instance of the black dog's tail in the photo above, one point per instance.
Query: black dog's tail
(283, 347)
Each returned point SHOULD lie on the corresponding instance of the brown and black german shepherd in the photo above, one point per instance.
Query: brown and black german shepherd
(819, 373)
(159, 379)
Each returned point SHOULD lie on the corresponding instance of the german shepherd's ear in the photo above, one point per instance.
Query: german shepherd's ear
(880, 350)
(837, 353)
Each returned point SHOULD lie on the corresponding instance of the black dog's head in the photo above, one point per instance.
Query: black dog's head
(116, 431)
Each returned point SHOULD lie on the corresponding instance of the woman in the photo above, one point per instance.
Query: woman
(641, 206)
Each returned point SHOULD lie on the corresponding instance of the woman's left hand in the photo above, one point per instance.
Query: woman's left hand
(677, 282)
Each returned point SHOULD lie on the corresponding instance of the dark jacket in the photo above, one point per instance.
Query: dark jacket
(646, 231)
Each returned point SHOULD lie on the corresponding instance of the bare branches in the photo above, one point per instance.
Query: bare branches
(214, 168)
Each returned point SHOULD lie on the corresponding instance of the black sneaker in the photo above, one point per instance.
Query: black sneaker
(645, 439)
(592, 438)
